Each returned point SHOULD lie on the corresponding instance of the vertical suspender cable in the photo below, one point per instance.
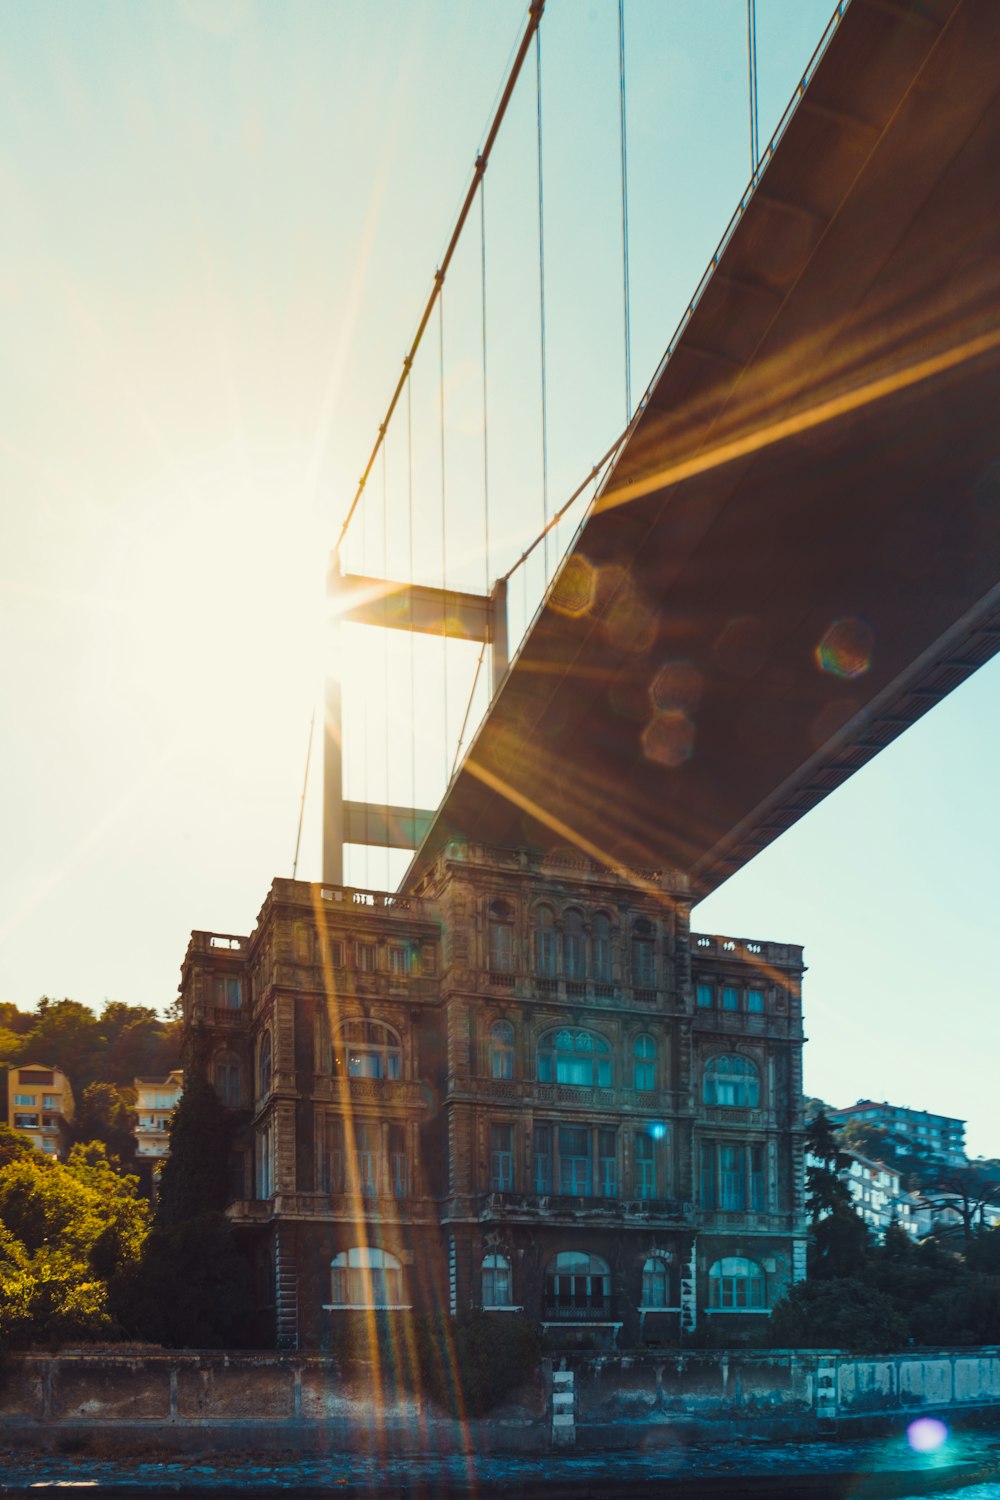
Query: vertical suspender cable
(385, 637)
(752, 86)
(486, 447)
(624, 176)
(444, 532)
(302, 800)
(541, 299)
(409, 512)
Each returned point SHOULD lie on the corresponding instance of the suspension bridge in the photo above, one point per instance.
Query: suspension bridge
(792, 550)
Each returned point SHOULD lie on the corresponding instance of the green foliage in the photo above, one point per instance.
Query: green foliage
(842, 1314)
(192, 1289)
(982, 1253)
(195, 1176)
(105, 1114)
(122, 1043)
(824, 1189)
(968, 1312)
(65, 1232)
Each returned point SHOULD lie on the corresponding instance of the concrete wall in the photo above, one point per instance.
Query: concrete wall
(303, 1400)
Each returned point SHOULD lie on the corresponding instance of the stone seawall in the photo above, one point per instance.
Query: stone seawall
(267, 1400)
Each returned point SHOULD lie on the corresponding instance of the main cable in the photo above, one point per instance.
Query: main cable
(541, 303)
(535, 11)
(486, 447)
(444, 536)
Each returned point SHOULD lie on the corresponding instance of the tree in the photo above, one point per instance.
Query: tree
(105, 1114)
(841, 1314)
(966, 1191)
(192, 1288)
(838, 1239)
(65, 1231)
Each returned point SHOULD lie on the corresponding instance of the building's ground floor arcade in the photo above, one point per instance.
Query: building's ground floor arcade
(584, 1285)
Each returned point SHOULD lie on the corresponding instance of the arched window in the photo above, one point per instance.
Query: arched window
(366, 1277)
(496, 1281)
(601, 948)
(368, 1049)
(545, 943)
(264, 1065)
(228, 1079)
(644, 1064)
(574, 952)
(501, 1050)
(643, 965)
(577, 1057)
(736, 1283)
(575, 1284)
(656, 1282)
(501, 937)
(732, 1082)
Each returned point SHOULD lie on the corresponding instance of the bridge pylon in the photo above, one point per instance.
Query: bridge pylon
(390, 605)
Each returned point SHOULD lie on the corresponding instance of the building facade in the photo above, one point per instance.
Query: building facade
(937, 1137)
(40, 1104)
(155, 1101)
(523, 1085)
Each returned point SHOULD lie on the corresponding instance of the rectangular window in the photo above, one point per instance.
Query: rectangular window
(366, 1153)
(28, 1099)
(607, 1164)
(755, 1001)
(227, 993)
(732, 1176)
(501, 1158)
(366, 957)
(732, 1183)
(545, 952)
(501, 947)
(645, 1165)
(25, 1122)
(706, 996)
(399, 1166)
(643, 967)
(337, 953)
(730, 997)
(541, 1147)
(574, 1161)
(758, 1188)
(49, 1101)
(399, 961)
(332, 1159)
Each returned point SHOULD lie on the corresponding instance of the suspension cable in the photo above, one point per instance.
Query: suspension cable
(385, 633)
(302, 799)
(486, 446)
(752, 86)
(444, 533)
(624, 177)
(535, 10)
(413, 669)
(468, 709)
(600, 464)
(541, 303)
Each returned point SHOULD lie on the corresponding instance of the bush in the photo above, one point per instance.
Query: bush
(837, 1314)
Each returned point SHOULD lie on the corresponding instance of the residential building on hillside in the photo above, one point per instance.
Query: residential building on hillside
(524, 1084)
(155, 1101)
(40, 1104)
(878, 1195)
(926, 1135)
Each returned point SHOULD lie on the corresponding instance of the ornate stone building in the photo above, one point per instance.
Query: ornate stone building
(525, 1084)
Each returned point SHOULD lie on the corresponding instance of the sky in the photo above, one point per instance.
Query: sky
(221, 221)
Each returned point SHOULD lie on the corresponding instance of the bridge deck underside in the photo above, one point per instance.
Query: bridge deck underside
(822, 445)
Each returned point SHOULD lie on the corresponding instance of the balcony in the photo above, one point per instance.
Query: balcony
(535, 1206)
(584, 1312)
(229, 1015)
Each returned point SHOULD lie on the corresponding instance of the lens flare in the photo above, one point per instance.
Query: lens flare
(668, 739)
(677, 687)
(926, 1435)
(575, 589)
(845, 648)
